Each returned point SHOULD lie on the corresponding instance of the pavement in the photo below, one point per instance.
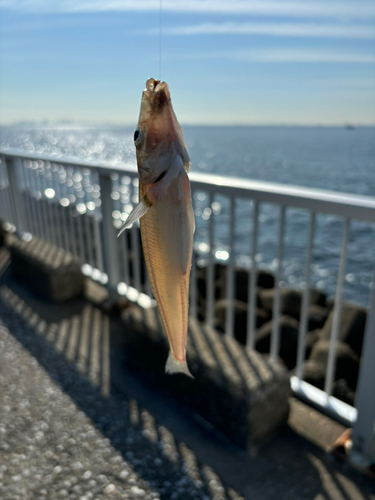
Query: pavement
(76, 423)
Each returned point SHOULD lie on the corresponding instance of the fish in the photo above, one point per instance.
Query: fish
(166, 214)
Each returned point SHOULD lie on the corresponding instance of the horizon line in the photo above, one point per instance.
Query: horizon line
(82, 124)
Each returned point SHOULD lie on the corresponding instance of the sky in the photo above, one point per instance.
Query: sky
(237, 62)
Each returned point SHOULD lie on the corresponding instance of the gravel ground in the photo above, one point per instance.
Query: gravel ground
(60, 438)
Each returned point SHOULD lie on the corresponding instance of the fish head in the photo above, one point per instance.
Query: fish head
(158, 137)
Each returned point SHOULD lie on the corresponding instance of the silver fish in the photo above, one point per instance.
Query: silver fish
(166, 214)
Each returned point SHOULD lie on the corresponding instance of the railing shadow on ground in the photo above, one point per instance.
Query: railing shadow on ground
(4, 260)
(75, 351)
(230, 360)
(81, 368)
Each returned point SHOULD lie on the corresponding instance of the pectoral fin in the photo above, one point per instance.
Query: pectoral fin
(138, 212)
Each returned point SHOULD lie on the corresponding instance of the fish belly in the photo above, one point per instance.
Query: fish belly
(167, 237)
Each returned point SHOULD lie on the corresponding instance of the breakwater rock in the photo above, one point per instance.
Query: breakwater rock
(319, 325)
(2, 234)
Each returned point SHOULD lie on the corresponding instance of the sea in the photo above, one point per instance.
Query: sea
(334, 158)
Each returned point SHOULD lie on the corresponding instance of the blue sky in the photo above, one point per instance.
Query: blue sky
(226, 62)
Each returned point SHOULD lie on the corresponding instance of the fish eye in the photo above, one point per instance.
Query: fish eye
(137, 137)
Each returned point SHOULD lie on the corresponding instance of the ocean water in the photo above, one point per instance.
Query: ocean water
(334, 158)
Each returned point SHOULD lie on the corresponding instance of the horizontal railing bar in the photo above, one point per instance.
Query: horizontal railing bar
(319, 200)
(66, 160)
(331, 202)
(328, 404)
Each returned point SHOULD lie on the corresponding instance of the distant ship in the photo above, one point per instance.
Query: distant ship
(349, 126)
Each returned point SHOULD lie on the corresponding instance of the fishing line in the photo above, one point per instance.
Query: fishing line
(160, 26)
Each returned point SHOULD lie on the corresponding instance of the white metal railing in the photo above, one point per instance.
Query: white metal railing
(79, 206)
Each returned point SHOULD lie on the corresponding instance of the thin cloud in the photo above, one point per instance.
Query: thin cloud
(303, 56)
(320, 9)
(288, 56)
(277, 29)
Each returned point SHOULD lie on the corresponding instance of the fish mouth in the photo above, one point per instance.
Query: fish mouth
(158, 94)
(151, 84)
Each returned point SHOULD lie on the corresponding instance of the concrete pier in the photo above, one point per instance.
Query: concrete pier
(76, 422)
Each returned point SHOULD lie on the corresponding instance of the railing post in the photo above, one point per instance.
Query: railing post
(210, 279)
(305, 301)
(109, 232)
(229, 316)
(331, 364)
(275, 338)
(251, 311)
(363, 450)
(16, 199)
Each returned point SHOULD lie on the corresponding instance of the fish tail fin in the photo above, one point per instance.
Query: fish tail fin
(138, 212)
(175, 366)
